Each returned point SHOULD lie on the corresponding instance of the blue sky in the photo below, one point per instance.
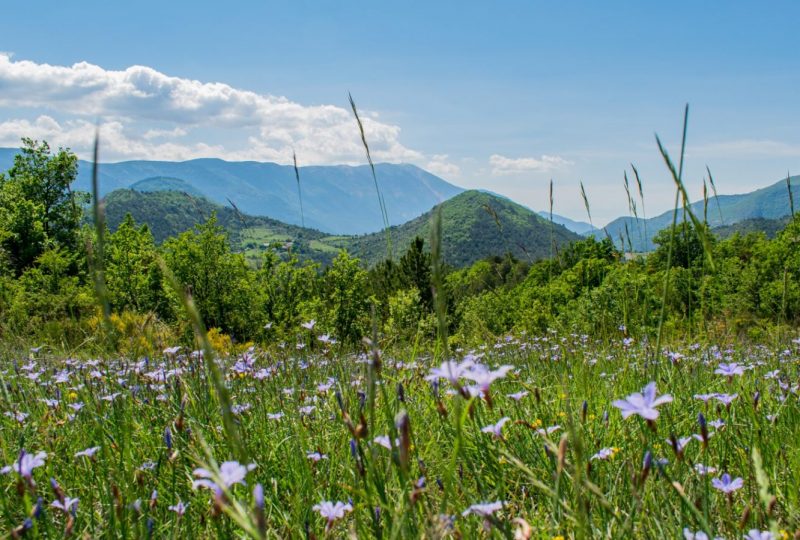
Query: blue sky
(495, 95)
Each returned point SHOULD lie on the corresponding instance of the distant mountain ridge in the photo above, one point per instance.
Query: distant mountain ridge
(342, 200)
(769, 203)
(578, 227)
(338, 199)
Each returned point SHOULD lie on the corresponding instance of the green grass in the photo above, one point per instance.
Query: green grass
(551, 483)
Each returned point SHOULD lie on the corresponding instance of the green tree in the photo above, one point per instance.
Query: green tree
(415, 271)
(133, 276)
(346, 297)
(286, 293)
(219, 281)
(37, 205)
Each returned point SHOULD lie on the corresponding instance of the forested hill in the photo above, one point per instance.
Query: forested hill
(475, 225)
(169, 213)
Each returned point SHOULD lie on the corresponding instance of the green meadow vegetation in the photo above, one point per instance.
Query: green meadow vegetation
(195, 385)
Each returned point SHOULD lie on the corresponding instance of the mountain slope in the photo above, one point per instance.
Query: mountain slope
(771, 202)
(338, 199)
(578, 227)
(169, 213)
(475, 225)
(770, 227)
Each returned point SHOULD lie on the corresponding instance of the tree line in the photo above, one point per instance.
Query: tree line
(746, 284)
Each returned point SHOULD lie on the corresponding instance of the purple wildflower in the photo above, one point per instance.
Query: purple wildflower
(484, 510)
(727, 485)
(643, 404)
(483, 377)
(66, 505)
(89, 452)
(230, 473)
(729, 370)
(25, 464)
(450, 370)
(332, 511)
(726, 399)
(755, 534)
(309, 325)
(496, 429)
(316, 456)
(179, 508)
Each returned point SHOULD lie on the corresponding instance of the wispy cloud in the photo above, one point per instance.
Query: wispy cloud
(502, 165)
(130, 102)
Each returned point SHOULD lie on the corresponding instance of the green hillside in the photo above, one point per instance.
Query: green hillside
(770, 227)
(169, 213)
(475, 225)
(767, 203)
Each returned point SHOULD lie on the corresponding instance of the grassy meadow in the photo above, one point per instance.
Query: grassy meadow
(119, 447)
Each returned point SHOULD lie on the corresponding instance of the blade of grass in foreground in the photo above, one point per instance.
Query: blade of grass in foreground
(677, 176)
(440, 302)
(299, 193)
(641, 199)
(700, 229)
(97, 252)
(213, 372)
(716, 197)
(381, 202)
(586, 204)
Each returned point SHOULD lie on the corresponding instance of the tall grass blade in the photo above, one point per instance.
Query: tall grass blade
(791, 195)
(212, 371)
(97, 258)
(381, 202)
(586, 204)
(299, 192)
(700, 229)
(641, 199)
(439, 299)
(716, 197)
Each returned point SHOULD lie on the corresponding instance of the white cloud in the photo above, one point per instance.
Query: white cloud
(116, 142)
(441, 165)
(130, 102)
(502, 165)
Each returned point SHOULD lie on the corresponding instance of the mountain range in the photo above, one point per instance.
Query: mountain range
(342, 200)
(337, 199)
(769, 203)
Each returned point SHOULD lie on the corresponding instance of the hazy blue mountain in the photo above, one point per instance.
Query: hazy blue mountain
(337, 199)
(768, 203)
(579, 227)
